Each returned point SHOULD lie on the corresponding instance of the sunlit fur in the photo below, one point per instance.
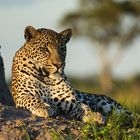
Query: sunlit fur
(38, 81)
(40, 85)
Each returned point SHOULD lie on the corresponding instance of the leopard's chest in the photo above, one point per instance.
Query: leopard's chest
(60, 94)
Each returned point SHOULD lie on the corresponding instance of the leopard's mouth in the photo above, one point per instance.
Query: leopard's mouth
(55, 75)
(53, 72)
(58, 73)
(57, 70)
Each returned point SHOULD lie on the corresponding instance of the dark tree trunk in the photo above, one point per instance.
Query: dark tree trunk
(5, 95)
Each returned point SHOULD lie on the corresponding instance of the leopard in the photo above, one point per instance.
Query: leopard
(40, 84)
(38, 80)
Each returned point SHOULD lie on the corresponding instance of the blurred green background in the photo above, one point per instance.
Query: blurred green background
(109, 24)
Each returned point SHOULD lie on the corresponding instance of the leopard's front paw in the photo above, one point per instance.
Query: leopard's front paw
(43, 111)
(94, 117)
(40, 112)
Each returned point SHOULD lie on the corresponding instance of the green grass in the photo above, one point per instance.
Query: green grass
(117, 128)
(56, 135)
(25, 133)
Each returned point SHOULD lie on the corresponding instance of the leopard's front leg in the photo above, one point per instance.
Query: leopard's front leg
(35, 105)
(89, 116)
(79, 110)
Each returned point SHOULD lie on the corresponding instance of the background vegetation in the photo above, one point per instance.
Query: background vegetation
(108, 24)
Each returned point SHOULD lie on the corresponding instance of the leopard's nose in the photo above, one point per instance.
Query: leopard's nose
(58, 65)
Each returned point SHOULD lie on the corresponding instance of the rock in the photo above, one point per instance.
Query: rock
(5, 95)
(19, 124)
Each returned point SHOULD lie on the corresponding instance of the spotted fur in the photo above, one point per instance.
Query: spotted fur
(40, 85)
(38, 80)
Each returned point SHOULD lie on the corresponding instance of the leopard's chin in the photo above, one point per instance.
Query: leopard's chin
(55, 75)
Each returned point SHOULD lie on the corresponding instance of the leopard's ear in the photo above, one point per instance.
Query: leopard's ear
(66, 34)
(29, 33)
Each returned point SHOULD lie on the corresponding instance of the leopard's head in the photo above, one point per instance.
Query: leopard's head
(47, 48)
